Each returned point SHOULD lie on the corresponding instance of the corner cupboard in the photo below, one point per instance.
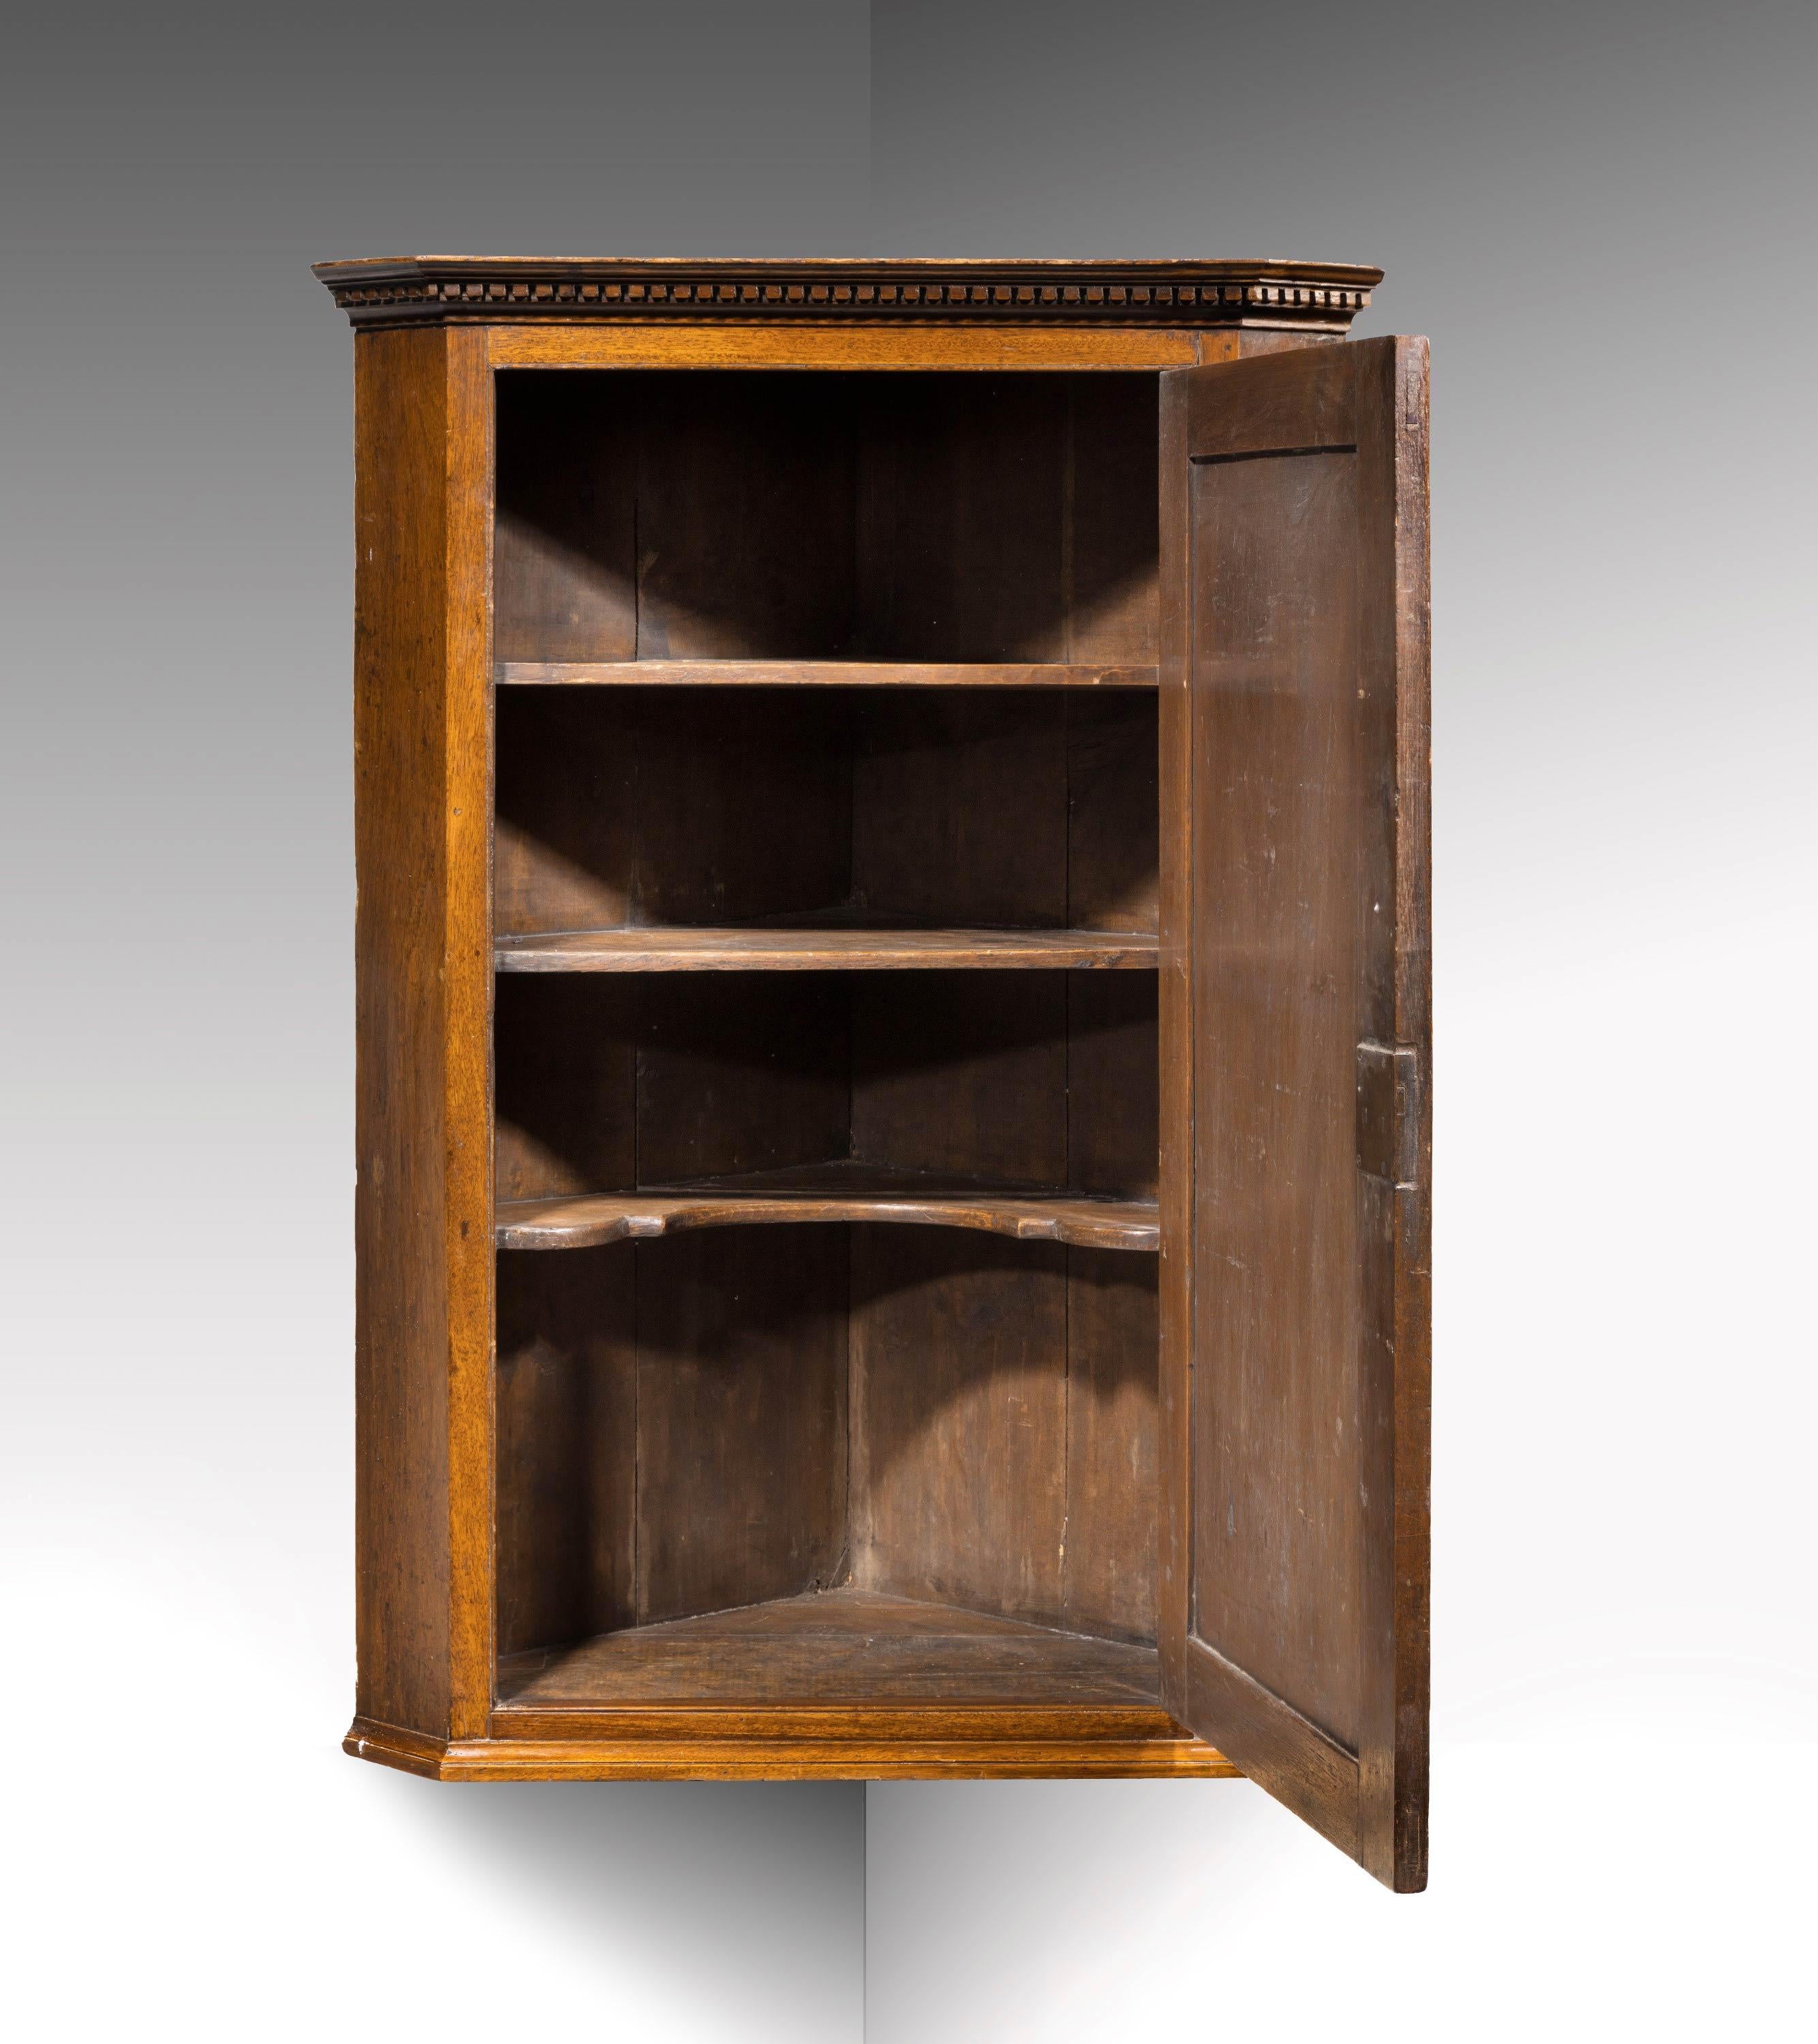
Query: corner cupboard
(893, 1044)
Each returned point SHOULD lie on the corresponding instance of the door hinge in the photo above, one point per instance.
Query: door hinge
(1389, 1112)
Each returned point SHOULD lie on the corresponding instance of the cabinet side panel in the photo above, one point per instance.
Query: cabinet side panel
(422, 961)
(401, 1294)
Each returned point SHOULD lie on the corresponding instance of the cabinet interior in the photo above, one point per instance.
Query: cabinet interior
(826, 516)
(854, 922)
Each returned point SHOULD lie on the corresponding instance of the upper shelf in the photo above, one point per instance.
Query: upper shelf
(825, 951)
(823, 674)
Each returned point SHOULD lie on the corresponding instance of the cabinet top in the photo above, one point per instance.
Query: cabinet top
(408, 289)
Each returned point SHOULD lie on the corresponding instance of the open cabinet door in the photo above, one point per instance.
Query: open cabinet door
(1296, 1106)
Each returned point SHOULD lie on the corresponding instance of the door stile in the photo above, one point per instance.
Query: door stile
(1395, 1146)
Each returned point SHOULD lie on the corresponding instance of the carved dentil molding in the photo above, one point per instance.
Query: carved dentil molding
(1320, 296)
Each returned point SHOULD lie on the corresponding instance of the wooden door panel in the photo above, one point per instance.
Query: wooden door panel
(1296, 1044)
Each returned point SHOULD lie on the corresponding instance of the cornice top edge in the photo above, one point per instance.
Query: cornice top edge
(1168, 291)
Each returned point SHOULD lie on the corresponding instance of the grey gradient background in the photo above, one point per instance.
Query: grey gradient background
(1601, 215)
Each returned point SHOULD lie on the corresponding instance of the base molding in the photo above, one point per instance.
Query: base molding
(799, 1745)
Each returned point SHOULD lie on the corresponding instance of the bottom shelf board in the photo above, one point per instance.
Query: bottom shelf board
(852, 1193)
(842, 1645)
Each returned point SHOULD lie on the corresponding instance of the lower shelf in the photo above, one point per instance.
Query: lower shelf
(843, 1645)
(586, 1220)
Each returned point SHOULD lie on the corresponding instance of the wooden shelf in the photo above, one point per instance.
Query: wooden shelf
(840, 1646)
(836, 1192)
(824, 951)
(822, 674)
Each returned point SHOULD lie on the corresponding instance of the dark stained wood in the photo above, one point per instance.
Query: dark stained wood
(745, 540)
(1113, 1106)
(1109, 1573)
(958, 1419)
(567, 1447)
(1395, 604)
(1113, 813)
(740, 1074)
(844, 1645)
(1298, 923)
(565, 830)
(741, 1418)
(743, 805)
(1110, 585)
(905, 809)
(959, 809)
(565, 1060)
(962, 1073)
(587, 1221)
(565, 527)
(934, 525)
(824, 673)
(848, 727)
(941, 1084)
(1299, 1762)
(1277, 1517)
(1312, 297)
(1303, 404)
(423, 958)
(962, 522)
(822, 949)
(661, 808)
(1174, 1050)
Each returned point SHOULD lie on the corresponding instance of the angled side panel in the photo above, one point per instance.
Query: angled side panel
(424, 990)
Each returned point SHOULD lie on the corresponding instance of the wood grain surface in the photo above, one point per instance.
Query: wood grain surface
(822, 949)
(843, 1644)
(802, 1743)
(850, 349)
(754, 529)
(630, 672)
(592, 1219)
(423, 968)
(1294, 970)
(836, 809)
(897, 818)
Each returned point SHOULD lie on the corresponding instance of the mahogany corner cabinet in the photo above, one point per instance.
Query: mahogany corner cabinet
(893, 1050)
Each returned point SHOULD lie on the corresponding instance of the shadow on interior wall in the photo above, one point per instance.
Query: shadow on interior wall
(740, 1898)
